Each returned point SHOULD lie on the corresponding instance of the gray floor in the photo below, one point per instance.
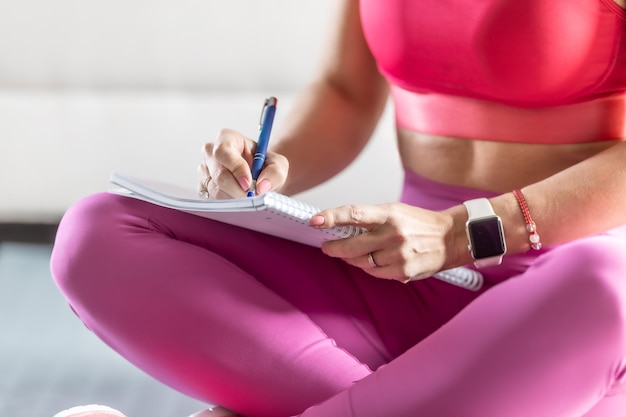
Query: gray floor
(49, 361)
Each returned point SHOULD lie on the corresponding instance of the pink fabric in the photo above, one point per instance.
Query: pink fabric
(270, 328)
(468, 118)
(566, 58)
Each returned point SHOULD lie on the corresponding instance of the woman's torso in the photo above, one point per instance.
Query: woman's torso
(518, 56)
(488, 165)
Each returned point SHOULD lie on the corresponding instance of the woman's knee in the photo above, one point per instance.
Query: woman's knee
(601, 259)
(84, 232)
(592, 271)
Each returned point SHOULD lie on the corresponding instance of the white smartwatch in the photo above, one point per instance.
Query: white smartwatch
(485, 233)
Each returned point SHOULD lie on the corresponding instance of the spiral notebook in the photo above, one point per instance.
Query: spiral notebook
(271, 213)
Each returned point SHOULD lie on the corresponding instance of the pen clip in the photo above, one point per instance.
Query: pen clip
(271, 101)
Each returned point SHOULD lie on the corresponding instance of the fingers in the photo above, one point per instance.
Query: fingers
(274, 173)
(225, 168)
(373, 252)
(214, 181)
(354, 250)
(204, 180)
(401, 242)
(367, 217)
(381, 263)
(390, 263)
(228, 161)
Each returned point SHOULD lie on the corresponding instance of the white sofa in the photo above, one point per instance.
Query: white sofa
(92, 86)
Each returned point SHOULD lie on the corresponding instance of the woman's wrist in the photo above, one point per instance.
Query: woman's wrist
(515, 230)
(507, 207)
(456, 240)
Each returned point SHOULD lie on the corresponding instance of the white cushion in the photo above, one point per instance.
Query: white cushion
(192, 44)
(57, 147)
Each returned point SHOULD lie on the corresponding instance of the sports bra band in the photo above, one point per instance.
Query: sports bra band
(455, 116)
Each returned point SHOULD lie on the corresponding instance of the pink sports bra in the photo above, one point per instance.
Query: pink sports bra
(532, 71)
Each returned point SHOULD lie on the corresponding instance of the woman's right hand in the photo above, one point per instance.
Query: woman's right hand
(225, 168)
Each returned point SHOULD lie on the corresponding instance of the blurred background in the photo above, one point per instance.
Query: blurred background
(91, 86)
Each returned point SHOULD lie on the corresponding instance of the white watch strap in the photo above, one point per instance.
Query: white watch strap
(477, 209)
(494, 260)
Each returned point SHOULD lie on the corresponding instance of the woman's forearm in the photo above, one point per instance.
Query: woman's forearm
(335, 116)
(585, 199)
(324, 131)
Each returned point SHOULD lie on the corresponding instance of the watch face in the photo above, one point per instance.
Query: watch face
(486, 237)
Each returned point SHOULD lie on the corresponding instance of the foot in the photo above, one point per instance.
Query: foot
(91, 410)
(215, 412)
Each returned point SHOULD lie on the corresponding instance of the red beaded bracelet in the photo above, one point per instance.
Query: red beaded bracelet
(531, 227)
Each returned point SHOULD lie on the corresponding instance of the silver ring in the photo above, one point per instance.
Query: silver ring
(204, 190)
(370, 259)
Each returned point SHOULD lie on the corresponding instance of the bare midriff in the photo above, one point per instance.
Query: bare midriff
(487, 164)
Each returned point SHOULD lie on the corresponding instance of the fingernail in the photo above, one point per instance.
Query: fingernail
(243, 183)
(317, 220)
(264, 186)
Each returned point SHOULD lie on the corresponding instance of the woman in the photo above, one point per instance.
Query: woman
(518, 103)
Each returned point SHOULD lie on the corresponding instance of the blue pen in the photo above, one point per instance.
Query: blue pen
(265, 127)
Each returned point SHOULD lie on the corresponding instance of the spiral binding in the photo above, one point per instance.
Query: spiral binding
(303, 211)
(463, 277)
(291, 207)
(460, 276)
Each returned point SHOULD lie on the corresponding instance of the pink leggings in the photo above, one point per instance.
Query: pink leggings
(267, 327)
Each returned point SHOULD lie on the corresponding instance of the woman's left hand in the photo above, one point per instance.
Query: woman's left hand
(403, 242)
